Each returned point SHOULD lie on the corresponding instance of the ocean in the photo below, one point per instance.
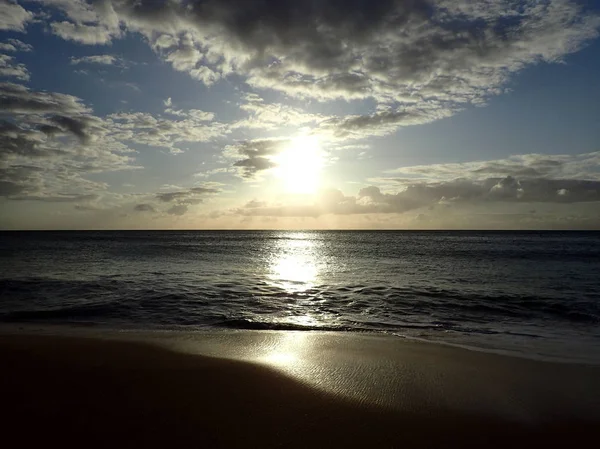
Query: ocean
(532, 294)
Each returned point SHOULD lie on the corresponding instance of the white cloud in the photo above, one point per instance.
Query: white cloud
(84, 34)
(11, 69)
(95, 59)
(143, 128)
(14, 45)
(13, 17)
(268, 116)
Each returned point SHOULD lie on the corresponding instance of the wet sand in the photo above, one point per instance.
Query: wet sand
(112, 390)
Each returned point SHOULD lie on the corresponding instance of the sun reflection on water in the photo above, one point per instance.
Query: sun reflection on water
(293, 264)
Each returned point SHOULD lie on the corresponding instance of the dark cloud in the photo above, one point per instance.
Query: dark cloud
(254, 164)
(179, 209)
(442, 53)
(383, 122)
(19, 179)
(79, 127)
(17, 141)
(144, 208)
(9, 188)
(190, 196)
(18, 99)
(527, 166)
(254, 156)
(49, 141)
(507, 188)
(371, 200)
(61, 198)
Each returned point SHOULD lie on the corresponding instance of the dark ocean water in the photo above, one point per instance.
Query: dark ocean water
(533, 293)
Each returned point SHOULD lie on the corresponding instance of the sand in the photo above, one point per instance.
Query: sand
(282, 389)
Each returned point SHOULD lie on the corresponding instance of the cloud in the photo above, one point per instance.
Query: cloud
(10, 69)
(443, 54)
(147, 129)
(18, 99)
(383, 122)
(184, 56)
(15, 45)
(190, 196)
(95, 59)
(83, 34)
(268, 116)
(578, 166)
(93, 23)
(61, 198)
(174, 202)
(144, 208)
(254, 156)
(13, 17)
(423, 194)
(50, 142)
(179, 209)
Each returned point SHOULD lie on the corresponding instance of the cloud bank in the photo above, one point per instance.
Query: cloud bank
(440, 54)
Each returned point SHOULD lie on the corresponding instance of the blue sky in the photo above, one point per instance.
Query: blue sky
(308, 114)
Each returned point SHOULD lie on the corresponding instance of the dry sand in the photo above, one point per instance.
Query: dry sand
(103, 391)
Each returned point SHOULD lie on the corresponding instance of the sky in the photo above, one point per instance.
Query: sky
(305, 114)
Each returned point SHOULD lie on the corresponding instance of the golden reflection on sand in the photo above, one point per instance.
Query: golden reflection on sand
(287, 352)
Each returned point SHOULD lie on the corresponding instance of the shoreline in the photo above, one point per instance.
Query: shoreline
(94, 329)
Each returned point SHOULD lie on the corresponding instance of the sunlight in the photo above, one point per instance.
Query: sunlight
(288, 352)
(295, 271)
(294, 266)
(300, 164)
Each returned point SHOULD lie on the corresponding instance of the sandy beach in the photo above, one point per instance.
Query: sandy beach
(278, 389)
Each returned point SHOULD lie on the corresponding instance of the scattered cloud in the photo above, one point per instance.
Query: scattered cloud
(562, 166)
(13, 17)
(269, 116)
(50, 141)
(14, 45)
(10, 69)
(83, 34)
(443, 54)
(147, 129)
(95, 59)
(191, 196)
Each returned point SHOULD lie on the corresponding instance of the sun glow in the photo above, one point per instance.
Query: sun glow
(299, 165)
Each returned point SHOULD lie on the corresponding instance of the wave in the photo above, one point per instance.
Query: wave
(72, 312)
(245, 324)
(127, 299)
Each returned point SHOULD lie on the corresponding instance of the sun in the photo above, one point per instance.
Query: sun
(299, 165)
